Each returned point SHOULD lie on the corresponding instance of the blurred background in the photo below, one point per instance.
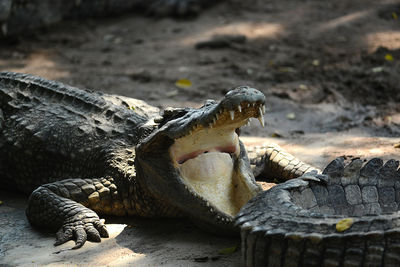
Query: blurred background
(325, 66)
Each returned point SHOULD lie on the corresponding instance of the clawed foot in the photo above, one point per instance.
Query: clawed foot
(81, 229)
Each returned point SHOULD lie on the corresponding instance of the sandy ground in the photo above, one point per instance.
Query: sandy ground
(330, 71)
(132, 242)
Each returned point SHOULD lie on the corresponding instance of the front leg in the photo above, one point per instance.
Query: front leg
(271, 162)
(66, 206)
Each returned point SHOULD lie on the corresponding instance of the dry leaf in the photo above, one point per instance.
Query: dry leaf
(389, 57)
(276, 135)
(344, 224)
(227, 251)
(183, 83)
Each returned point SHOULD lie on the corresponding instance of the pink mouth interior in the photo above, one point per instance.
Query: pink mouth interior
(192, 155)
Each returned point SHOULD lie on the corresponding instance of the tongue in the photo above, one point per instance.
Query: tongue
(192, 155)
(207, 167)
(210, 175)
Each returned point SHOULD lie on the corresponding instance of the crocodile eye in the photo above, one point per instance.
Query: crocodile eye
(170, 111)
(170, 114)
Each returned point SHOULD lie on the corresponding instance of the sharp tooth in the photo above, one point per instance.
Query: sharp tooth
(254, 104)
(260, 113)
(248, 105)
(261, 119)
(263, 109)
(232, 114)
(216, 116)
(214, 120)
(240, 108)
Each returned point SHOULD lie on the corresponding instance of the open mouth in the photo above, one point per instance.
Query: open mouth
(208, 157)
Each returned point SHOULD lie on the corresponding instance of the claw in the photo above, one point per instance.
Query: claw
(81, 237)
(103, 231)
(101, 228)
(93, 234)
(63, 236)
(81, 231)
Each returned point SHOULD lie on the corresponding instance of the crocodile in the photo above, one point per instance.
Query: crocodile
(19, 16)
(346, 216)
(80, 153)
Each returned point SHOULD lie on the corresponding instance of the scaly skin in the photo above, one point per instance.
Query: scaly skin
(85, 153)
(294, 223)
(51, 132)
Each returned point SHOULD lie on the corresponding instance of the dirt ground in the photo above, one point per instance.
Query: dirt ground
(330, 71)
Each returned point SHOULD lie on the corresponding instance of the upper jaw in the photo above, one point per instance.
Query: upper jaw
(216, 129)
(237, 107)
